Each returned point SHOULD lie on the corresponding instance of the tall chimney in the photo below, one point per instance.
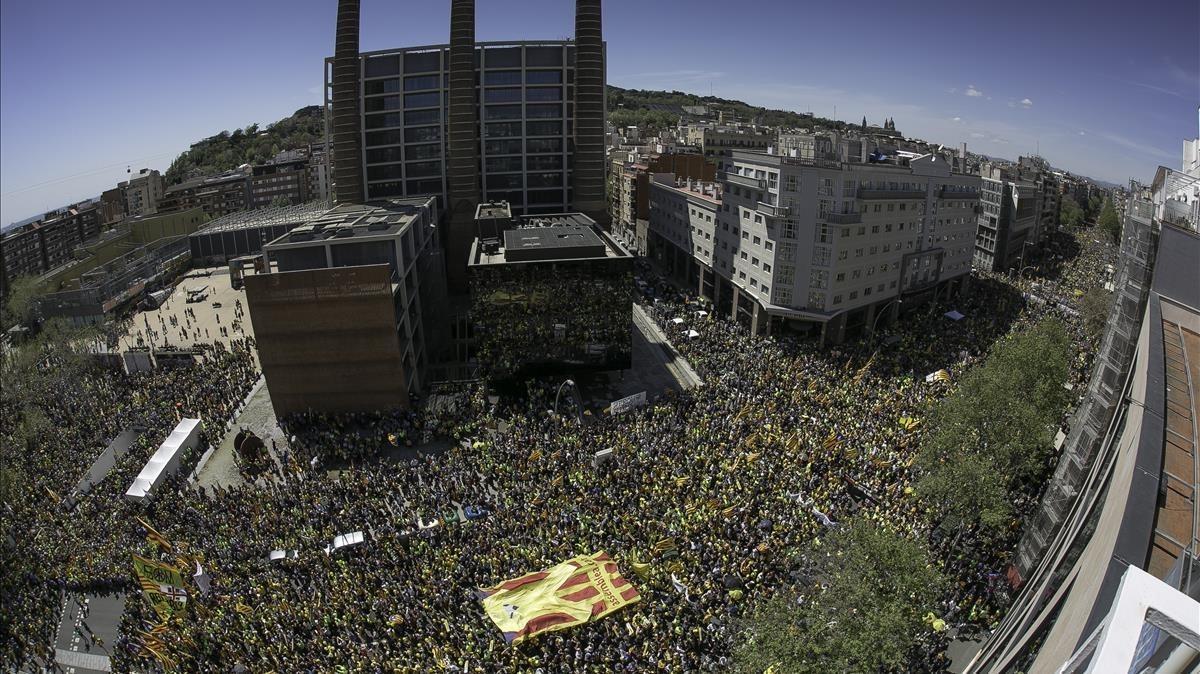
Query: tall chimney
(463, 142)
(347, 129)
(588, 168)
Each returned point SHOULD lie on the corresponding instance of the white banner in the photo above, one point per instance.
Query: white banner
(627, 403)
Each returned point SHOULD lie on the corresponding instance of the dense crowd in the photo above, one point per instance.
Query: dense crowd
(84, 547)
(742, 476)
(528, 316)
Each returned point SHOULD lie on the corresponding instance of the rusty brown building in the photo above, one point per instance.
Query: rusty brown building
(339, 310)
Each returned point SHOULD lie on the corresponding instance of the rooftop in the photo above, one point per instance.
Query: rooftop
(563, 236)
(378, 219)
(282, 215)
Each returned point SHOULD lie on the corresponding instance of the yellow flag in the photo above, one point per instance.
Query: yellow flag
(162, 586)
(583, 588)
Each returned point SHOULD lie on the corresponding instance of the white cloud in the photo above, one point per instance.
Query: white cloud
(976, 134)
(973, 92)
(1026, 103)
(957, 119)
(1082, 133)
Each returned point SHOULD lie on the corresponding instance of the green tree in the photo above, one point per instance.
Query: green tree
(1070, 214)
(991, 436)
(1109, 222)
(21, 303)
(877, 586)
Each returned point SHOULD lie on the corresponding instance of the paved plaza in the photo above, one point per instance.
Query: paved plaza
(164, 326)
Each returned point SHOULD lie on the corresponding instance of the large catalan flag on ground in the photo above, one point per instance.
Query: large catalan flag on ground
(163, 586)
(580, 589)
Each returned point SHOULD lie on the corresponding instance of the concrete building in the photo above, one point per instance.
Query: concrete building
(338, 310)
(1049, 196)
(1008, 220)
(1177, 193)
(48, 243)
(142, 192)
(816, 244)
(549, 296)
(1112, 549)
(629, 189)
(218, 195)
(721, 141)
(282, 182)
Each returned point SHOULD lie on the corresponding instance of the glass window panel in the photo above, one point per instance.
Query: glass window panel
(380, 103)
(544, 128)
(423, 134)
(542, 145)
(381, 86)
(491, 77)
(426, 100)
(544, 94)
(543, 77)
(502, 57)
(422, 82)
(543, 56)
(416, 117)
(543, 111)
(491, 112)
(382, 155)
(423, 151)
(502, 130)
(422, 169)
(379, 66)
(380, 121)
(494, 147)
(384, 138)
(502, 96)
(420, 62)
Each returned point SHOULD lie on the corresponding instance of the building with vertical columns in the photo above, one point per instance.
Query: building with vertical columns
(1008, 220)
(520, 130)
(346, 72)
(816, 245)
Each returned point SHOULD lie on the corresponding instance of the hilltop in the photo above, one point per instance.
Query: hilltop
(251, 145)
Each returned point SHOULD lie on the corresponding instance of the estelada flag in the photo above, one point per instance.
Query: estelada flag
(583, 588)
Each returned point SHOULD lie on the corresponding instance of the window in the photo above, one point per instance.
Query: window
(841, 276)
(502, 96)
(757, 241)
(770, 246)
(862, 230)
(425, 134)
(493, 77)
(837, 299)
(766, 267)
(753, 283)
(745, 235)
(790, 184)
(418, 82)
(544, 94)
(430, 99)
(543, 77)
(842, 254)
(854, 295)
(420, 117)
(754, 261)
(744, 256)
(542, 145)
(502, 130)
(543, 111)
(858, 252)
(866, 292)
(543, 128)
(384, 120)
(493, 112)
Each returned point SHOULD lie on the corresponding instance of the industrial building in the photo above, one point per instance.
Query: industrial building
(549, 296)
(338, 307)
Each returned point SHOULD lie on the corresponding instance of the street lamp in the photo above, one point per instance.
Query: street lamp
(566, 383)
(875, 324)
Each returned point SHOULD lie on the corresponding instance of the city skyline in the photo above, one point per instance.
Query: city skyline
(170, 76)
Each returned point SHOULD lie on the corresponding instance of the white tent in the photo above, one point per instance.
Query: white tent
(165, 461)
(692, 334)
(702, 314)
(954, 315)
(345, 541)
(280, 555)
(677, 321)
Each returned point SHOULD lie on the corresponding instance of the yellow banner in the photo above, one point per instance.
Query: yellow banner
(163, 586)
(580, 589)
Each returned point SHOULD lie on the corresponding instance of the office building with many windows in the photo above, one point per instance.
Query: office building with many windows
(525, 122)
(809, 244)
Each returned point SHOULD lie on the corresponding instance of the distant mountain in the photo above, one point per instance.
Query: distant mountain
(251, 145)
(26, 221)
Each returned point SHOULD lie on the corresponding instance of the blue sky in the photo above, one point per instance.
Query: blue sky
(1103, 88)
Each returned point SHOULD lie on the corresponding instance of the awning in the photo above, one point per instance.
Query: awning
(677, 321)
(692, 334)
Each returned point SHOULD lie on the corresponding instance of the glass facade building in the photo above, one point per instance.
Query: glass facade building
(525, 92)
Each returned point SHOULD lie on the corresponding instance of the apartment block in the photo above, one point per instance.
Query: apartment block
(1008, 221)
(720, 141)
(279, 183)
(142, 192)
(780, 242)
(629, 189)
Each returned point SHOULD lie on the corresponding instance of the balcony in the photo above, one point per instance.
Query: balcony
(774, 211)
(842, 218)
(890, 194)
(744, 181)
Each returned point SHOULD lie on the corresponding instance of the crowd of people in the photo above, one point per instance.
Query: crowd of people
(53, 428)
(721, 490)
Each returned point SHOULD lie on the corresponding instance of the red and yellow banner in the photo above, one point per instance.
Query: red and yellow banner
(580, 589)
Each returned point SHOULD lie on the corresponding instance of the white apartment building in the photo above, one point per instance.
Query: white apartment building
(816, 244)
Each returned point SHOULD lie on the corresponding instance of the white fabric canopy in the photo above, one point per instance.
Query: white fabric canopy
(165, 461)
